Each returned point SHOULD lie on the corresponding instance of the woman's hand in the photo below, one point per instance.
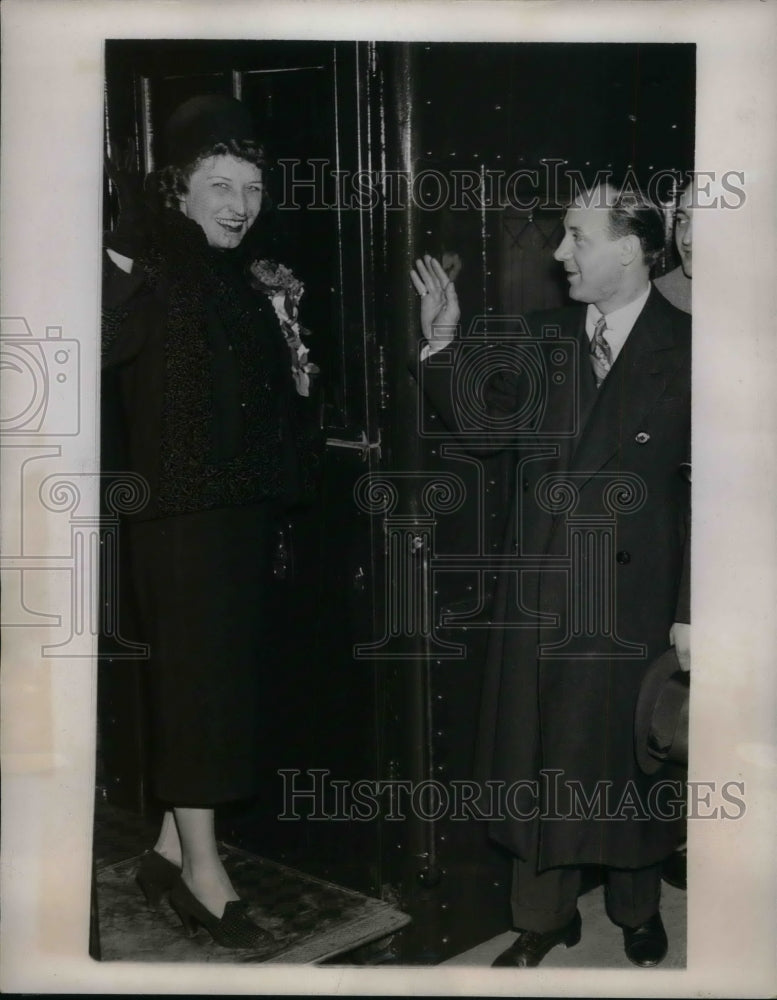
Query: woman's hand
(439, 303)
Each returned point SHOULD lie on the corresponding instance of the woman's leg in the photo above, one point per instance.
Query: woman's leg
(203, 872)
(169, 843)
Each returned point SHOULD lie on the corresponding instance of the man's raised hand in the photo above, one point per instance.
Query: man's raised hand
(439, 303)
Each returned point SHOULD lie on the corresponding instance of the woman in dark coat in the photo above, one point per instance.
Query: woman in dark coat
(212, 419)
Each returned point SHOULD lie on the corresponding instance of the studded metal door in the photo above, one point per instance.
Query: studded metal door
(313, 102)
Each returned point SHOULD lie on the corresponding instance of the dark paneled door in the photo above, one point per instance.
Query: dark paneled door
(334, 110)
(312, 102)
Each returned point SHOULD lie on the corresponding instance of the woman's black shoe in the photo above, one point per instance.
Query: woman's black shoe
(234, 929)
(647, 944)
(156, 876)
(530, 947)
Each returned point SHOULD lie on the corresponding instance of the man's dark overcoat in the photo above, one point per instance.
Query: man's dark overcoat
(600, 519)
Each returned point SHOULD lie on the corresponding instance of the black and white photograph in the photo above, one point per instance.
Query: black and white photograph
(353, 385)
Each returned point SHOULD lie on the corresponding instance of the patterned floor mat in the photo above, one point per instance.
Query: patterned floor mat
(309, 919)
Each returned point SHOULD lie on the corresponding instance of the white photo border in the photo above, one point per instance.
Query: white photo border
(52, 121)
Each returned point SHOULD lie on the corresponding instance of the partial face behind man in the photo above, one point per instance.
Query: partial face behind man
(683, 230)
(599, 266)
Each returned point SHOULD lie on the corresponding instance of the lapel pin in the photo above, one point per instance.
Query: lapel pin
(642, 437)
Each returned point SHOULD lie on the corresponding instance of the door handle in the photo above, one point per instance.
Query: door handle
(363, 445)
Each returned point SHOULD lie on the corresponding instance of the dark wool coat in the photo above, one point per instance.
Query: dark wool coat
(197, 378)
(599, 518)
(199, 400)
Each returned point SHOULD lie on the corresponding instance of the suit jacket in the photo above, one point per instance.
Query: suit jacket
(676, 288)
(598, 527)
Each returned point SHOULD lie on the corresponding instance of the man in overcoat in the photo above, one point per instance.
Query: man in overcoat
(598, 588)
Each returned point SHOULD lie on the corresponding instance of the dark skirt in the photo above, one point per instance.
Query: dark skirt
(202, 587)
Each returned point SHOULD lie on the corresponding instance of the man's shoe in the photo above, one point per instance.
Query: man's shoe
(646, 945)
(530, 947)
(674, 869)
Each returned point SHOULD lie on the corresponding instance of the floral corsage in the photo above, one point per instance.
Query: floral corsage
(285, 290)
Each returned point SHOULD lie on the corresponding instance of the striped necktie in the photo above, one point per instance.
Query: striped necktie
(601, 355)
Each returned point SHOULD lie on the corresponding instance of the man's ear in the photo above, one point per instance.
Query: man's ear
(630, 249)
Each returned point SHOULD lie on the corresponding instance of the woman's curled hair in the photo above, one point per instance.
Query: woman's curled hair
(173, 180)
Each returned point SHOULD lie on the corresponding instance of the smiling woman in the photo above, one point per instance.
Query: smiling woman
(224, 198)
(197, 363)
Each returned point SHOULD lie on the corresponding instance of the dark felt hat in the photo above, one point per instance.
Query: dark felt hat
(197, 124)
(661, 716)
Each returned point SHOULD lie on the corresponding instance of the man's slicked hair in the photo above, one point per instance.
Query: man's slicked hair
(632, 214)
